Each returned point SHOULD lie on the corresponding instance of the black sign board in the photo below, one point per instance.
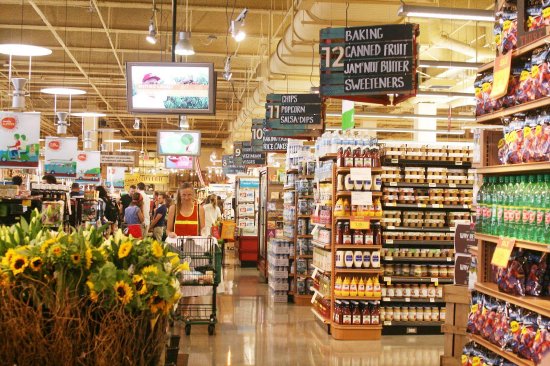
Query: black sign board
(275, 143)
(229, 166)
(464, 238)
(369, 62)
(294, 111)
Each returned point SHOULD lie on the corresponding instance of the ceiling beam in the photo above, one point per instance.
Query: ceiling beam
(106, 30)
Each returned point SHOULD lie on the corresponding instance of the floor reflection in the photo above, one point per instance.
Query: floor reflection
(254, 331)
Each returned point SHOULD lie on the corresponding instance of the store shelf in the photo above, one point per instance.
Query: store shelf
(374, 271)
(392, 323)
(430, 300)
(320, 269)
(305, 256)
(424, 206)
(306, 196)
(304, 236)
(365, 218)
(318, 244)
(540, 305)
(398, 279)
(292, 171)
(420, 229)
(418, 242)
(359, 298)
(288, 188)
(359, 327)
(505, 112)
(517, 52)
(512, 357)
(326, 226)
(531, 245)
(418, 259)
(427, 163)
(286, 238)
(356, 246)
(304, 216)
(428, 185)
(348, 193)
(316, 292)
(516, 168)
(325, 180)
(303, 176)
(328, 157)
(320, 317)
(345, 170)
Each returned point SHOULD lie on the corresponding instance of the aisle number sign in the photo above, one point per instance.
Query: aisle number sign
(503, 251)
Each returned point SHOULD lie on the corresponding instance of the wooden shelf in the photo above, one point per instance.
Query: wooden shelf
(429, 300)
(360, 298)
(515, 53)
(512, 357)
(304, 216)
(365, 327)
(505, 112)
(391, 323)
(292, 171)
(302, 176)
(326, 226)
(328, 157)
(531, 245)
(320, 317)
(427, 163)
(373, 271)
(348, 193)
(304, 236)
(401, 279)
(356, 246)
(418, 259)
(540, 305)
(356, 332)
(285, 238)
(306, 196)
(320, 269)
(288, 188)
(426, 206)
(325, 180)
(428, 185)
(369, 218)
(420, 229)
(516, 168)
(318, 244)
(314, 290)
(418, 242)
(305, 256)
(344, 169)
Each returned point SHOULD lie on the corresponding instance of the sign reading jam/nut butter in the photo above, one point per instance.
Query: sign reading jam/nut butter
(375, 60)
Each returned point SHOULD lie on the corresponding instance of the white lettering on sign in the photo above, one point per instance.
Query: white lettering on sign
(297, 119)
(295, 109)
(376, 83)
(289, 98)
(364, 34)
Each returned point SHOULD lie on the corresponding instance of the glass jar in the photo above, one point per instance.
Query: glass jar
(398, 269)
(419, 314)
(406, 270)
(397, 314)
(417, 270)
(435, 314)
(389, 269)
(391, 291)
(433, 271)
(415, 291)
(382, 313)
(423, 291)
(427, 314)
(443, 271)
(442, 314)
(439, 292)
(412, 314)
(405, 314)
(399, 290)
(431, 291)
(424, 270)
(407, 291)
(389, 313)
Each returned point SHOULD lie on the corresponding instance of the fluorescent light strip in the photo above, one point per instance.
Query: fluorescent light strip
(63, 91)
(116, 141)
(450, 64)
(442, 13)
(406, 116)
(443, 95)
(402, 130)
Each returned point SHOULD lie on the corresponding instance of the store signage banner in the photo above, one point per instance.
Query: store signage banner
(115, 176)
(262, 141)
(368, 61)
(131, 179)
(300, 112)
(229, 167)
(88, 166)
(19, 140)
(464, 238)
(60, 156)
(118, 159)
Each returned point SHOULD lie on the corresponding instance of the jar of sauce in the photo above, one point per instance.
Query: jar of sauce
(365, 314)
(346, 313)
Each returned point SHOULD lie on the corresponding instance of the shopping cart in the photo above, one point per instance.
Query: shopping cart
(205, 265)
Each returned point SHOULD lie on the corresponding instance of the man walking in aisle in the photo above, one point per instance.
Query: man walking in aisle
(159, 219)
(146, 207)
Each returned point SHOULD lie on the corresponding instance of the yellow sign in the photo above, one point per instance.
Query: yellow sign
(131, 179)
(502, 253)
(359, 223)
(154, 179)
(501, 76)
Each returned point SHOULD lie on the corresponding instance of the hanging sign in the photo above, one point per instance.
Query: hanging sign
(131, 179)
(88, 166)
(229, 167)
(250, 156)
(19, 139)
(294, 111)
(61, 156)
(115, 176)
(369, 63)
(262, 139)
(118, 159)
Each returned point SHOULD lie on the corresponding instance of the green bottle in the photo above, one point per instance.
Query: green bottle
(528, 190)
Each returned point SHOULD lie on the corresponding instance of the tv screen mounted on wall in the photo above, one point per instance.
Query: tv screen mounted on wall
(171, 88)
(178, 142)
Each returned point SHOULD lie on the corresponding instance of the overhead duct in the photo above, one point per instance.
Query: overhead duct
(18, 101)
(444, 41)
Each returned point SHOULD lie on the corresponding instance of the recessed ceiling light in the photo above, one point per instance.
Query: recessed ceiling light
(88, 114)
(15, 49)
(116, 141)
(63, 91)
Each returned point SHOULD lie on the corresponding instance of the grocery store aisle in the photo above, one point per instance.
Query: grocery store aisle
(254, 331)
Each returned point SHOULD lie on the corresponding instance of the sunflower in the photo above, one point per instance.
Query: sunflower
(139, 283)
(9, 255)
(156, 303)
(45, 245)
(123, 292)
(93, 296)
(18, 263)
(156, 249)
(124, 249)
(88, 256)
(56, 250)
(75, 258)
(150, 269)
(36, 263)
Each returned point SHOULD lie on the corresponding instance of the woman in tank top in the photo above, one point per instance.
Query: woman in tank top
(186, 217)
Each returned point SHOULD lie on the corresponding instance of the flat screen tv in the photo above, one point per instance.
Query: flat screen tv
(171, 88)
(178, 162)
(178, 142)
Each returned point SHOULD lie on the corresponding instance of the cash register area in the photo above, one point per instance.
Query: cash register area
(252, 330)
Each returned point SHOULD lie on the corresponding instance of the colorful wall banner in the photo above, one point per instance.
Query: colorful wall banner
(88, 166)
(348, 114)
(115, 176)
(60, 156)
(19, 139)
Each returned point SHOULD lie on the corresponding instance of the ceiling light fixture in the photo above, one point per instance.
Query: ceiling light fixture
(450, 64)
(184, 46)
(227, 74)
(433, 12)
(14, 49)
(116, 141)
(136, 124)
(89, 114)
(407, 116)
(237, 27)
(403, 130)
(63, 91)
(152, 35)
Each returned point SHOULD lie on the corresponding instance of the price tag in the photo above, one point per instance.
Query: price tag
(412, 330)
(394, 161)
(452, 185)
(458, 163)
(389, 241)
(452, 228)
(391, 204)
(449, 259)
(389, 258)
(407, 299)
(26, 203)
(421, 205)
(436, 205)
(387, 299)
(435, 281)
(387, 280)
(501, 76)
(502, 253)
(314, 273)
(432, 185)
(387, 322)
(466, 206)
(432, 299)
(393, 184)
(359, 223)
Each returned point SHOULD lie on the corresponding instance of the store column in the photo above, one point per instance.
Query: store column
(425, 123)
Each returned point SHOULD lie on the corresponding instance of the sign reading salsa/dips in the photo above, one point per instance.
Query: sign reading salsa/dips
(289, 110)
(374, 60)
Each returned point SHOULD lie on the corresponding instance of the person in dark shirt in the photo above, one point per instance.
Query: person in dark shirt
(126, 199)
(158, 223)
(75, 190)
(49, 179)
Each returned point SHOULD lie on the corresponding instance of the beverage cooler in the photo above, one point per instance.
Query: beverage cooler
(247, 200)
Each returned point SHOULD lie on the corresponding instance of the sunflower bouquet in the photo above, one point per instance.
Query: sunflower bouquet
(69, 293)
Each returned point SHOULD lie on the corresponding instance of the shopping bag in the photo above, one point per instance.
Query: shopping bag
(215, 231)
(228, 230)
(135, 231)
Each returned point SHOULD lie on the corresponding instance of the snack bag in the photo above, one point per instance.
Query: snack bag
(506, 27)
(527, 337)
(478, 94)
(535, 268)
(528, 146)
(486, 87)
(513, 337)
(534, 19)
(540, 72)
(546, 12)
(542, 137)
(512, 278)
(509, 100)
(541, 346)
(514, 139)
(500, 326)
(475, 313)
(490, 313)
(465, 359)
(525, 87)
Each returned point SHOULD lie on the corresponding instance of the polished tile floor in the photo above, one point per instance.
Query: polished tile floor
(252, 330)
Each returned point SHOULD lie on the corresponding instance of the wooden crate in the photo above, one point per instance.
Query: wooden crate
(457, 300)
